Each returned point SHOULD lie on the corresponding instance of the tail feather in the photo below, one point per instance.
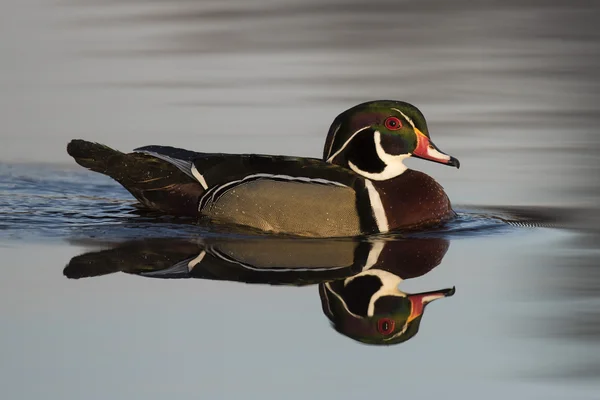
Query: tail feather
(94, 156)
(156, 183)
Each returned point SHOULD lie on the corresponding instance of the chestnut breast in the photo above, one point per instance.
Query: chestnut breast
(413, 199)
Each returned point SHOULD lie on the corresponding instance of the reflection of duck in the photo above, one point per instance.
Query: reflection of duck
(358, 280)
(370, 308)
(277, 261)
(360, 186)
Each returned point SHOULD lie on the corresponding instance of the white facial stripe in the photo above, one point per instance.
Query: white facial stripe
(345, 144)
(333, 140)
(196, 261)
(378, 210)
(410, 121)
(199, 177)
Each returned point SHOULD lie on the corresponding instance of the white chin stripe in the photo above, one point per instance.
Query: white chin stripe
(394, 164)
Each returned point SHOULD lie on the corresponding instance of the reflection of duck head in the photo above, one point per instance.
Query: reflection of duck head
(369, 307)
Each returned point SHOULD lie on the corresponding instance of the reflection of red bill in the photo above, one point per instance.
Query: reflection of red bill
(428, 151)
(419, 301)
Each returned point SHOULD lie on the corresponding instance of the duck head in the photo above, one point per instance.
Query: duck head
(373, 139)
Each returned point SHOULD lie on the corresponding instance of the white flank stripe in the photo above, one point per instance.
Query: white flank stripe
(377, 207)
(218, 191)
(346, 143)
(196, 261)
(199, 177)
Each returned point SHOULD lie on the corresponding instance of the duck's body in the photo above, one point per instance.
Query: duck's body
(336, 196)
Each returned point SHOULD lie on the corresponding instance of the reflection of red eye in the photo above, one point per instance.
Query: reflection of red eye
(385, 326)
(393, 123)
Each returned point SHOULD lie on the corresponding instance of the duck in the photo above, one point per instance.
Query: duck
(360, 186)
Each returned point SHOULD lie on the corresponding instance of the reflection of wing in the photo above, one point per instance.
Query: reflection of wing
(274, 260)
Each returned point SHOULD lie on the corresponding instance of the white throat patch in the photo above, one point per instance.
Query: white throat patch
(394, 164)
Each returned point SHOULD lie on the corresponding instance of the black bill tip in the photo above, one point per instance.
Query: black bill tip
(454, 162)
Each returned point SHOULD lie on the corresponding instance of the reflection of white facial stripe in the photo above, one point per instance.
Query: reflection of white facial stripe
(372, 259)
(394, 164)
(400, 333)
(345, 144)
(389, 286)
(410, 121)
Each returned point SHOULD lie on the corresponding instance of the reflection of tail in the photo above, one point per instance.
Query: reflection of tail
(157, 184)
(84, 266)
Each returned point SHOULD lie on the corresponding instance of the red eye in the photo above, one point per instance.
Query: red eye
(385, 326)
(393, 123)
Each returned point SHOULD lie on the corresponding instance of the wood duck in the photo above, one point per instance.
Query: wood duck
(358, 280)
(361, 186)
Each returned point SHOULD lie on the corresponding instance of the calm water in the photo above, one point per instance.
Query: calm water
(510, 88)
